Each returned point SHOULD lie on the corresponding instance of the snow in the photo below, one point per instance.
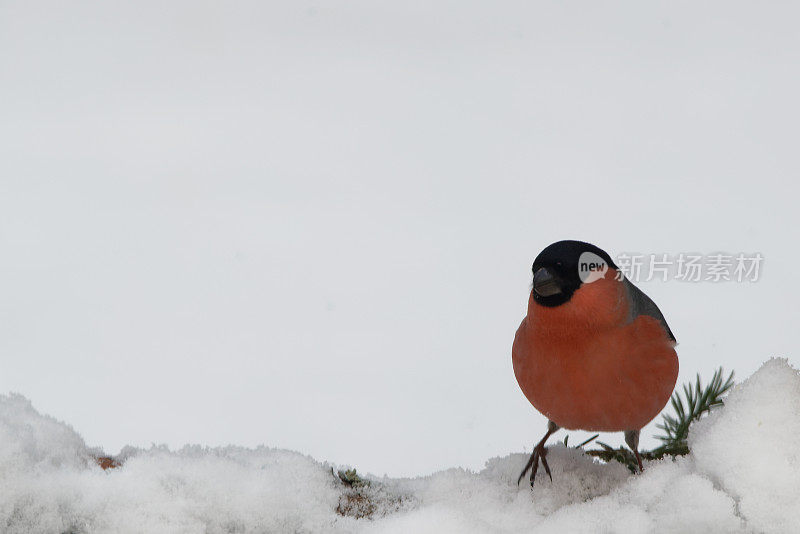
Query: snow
(762, 471)
(740, 477)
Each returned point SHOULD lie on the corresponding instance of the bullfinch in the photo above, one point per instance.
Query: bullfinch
(594, 352)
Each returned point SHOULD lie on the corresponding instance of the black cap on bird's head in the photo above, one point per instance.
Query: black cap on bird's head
(561, 268)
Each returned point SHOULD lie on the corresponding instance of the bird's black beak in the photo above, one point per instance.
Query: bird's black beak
(544, 283)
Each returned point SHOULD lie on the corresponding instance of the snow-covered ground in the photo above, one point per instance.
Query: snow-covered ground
(742, 476)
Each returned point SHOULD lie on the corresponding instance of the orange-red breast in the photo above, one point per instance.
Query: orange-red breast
(594, 352)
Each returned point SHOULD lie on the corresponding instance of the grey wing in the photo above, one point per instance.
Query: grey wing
(641, 304)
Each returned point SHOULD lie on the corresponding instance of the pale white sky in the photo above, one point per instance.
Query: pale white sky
(310, 224)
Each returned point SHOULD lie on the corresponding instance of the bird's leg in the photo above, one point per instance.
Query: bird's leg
(539, 453)
(632, 439)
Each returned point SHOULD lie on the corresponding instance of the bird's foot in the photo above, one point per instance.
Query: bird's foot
(539, 454)
(639, 461)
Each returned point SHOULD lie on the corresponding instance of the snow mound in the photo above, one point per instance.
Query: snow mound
(740, 477)
(51, 484)
(30, 442)
(748, 448)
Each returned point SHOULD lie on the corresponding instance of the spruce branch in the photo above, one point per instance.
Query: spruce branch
(621, 455)
(697, 401)
(585, 442)
(351, 478)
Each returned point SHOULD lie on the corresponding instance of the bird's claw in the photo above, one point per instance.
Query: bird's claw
(539, 454)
